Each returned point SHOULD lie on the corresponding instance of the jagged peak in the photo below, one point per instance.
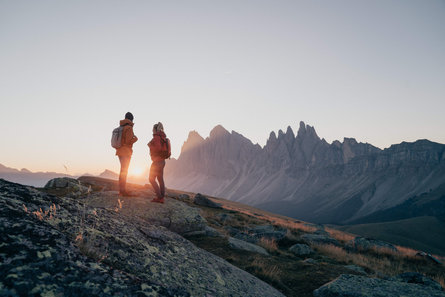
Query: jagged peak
(349, 140)
(218, 131)
(272, 136)
(194, 135)
(290, 132)
(193, 140)
(306, 131)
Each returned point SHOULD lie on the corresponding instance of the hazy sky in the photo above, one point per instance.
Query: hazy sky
(69, 70)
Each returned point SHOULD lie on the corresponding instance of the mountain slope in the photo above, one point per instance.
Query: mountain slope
(421, 233)
(305, 177)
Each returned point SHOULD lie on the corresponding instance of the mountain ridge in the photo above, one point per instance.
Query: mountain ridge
(305, 177)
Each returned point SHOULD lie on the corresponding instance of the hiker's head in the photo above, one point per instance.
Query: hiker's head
(158, 127)
(129, 116)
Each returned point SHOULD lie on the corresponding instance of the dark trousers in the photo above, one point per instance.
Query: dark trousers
(125, 163)
(157, 172)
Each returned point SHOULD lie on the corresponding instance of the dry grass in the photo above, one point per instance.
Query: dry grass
(440, 279)
(269, 244)
(272, 273)
(340, 236)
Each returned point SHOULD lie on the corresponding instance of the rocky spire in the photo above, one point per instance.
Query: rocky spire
(218, 131)
(193, 140)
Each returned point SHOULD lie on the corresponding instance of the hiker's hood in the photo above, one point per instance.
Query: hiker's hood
(160, 134)
(126, 122)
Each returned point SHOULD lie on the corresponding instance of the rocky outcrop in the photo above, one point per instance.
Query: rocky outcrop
(364, 244)
(319, 239)
(246, 246)
(54, 246)
(360, 286)
(301, 249)
(204, 201)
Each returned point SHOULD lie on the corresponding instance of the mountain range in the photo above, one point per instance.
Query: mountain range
(39, 179)
(305, 177)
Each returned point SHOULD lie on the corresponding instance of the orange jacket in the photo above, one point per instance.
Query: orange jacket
(128, 138)
(155, 145)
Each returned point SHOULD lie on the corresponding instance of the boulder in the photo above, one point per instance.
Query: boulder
(66, 182)
(208, 231)
(246, 246)
(356, 268)
(416, 278)
(204, 201)
(310, 261)
(183, 197)
(320, 239)
(79, 250)
(360, 286)
(255, 234)
(428, 257)
(362, 243)
(301, 249)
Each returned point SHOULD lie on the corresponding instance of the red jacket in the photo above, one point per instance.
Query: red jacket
(156, 145)
(128, 138)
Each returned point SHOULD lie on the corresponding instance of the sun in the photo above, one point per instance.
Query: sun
(136, 171)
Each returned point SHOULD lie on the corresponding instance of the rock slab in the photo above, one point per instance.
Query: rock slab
(360, 286)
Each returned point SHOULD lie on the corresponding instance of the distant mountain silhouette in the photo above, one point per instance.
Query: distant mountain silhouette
(39, 179)
(305, 177)
(109, 174)
(26, 177)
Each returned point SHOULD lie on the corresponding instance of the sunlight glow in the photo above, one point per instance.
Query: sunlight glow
(136, 171)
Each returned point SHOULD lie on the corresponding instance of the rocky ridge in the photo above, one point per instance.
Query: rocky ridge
(305, 177)
(99, 245)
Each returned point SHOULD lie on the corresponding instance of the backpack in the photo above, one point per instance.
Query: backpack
(166, 149)
(116, 137)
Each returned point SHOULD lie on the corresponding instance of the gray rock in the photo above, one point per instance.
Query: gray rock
(310, 261)
(208, 231)
(416, 278)
(183, 197)
(428, 257)
(78, 250)
(255, 234)
(65, 182)
(360, 286)
(204, 201)
(301, 249)
(212, 232)
(175, 215)
(246, 246)
(362, 243)
(356, 268)
(320, 239)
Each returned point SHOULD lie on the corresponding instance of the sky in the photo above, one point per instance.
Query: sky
(70, 70)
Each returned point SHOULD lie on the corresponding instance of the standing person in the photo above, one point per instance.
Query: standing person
(159, 151)
(125, 151)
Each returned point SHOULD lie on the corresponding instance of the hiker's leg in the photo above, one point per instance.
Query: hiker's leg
(160, 177)
(152, 180)
(125, 163)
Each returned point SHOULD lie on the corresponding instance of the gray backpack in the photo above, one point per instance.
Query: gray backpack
(116, 137)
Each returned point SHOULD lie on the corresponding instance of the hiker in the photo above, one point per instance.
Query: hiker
(125, 151)
(159, 151)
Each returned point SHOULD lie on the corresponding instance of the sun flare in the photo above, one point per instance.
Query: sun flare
(136, 171)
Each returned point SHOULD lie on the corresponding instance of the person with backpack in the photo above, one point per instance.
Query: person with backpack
(159, 151)
(122, 140)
